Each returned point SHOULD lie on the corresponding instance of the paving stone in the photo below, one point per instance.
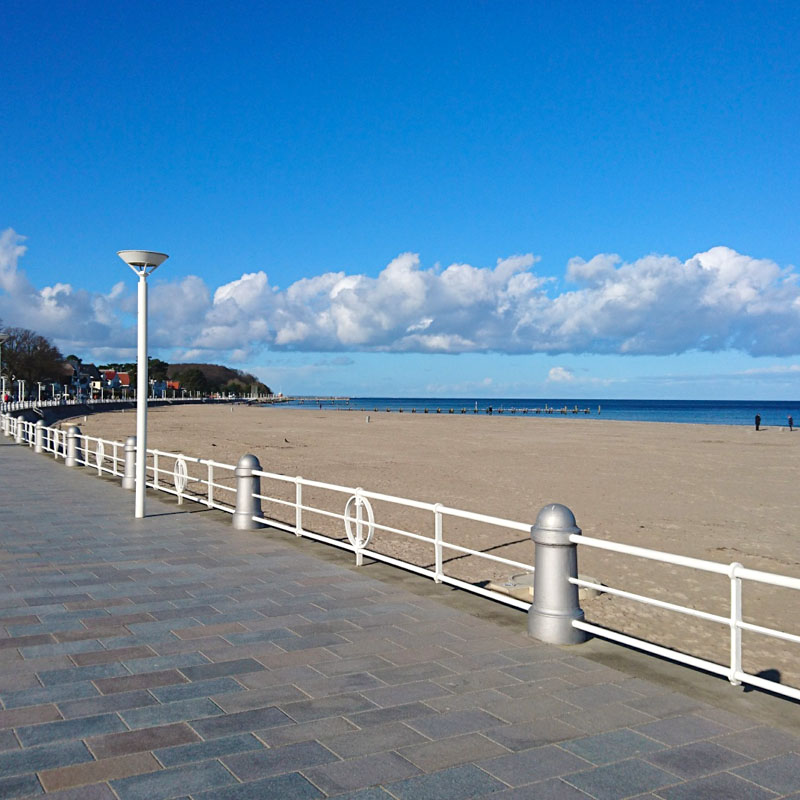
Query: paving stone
(31, 715)
(34, 759)
(374, 739)
(161, 714)
(780, 774)
(258, 698)
(214, 748)
(174, 782)
(622, 779)
(107, 769)
(430, 756)
(306, 731)
(722, 786)
(551, 789)
(454, 723)
(241, 722)
(20, 786)
(529, 766)
(357, 773)
(760, 742)
(109, 702)
(335, 706)
(49, 694)
(119, 655)
(604, 748)
(681, 730)
(69, 729)
(187, 691)
(116, 744)
(222, 668)
(290, 758)
(525, 735)
(145, 680)
(697, 759)
(456, 783)
(286, 787)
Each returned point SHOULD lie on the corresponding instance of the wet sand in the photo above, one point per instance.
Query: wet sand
(721, 493)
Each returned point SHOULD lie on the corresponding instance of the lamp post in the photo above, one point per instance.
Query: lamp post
(4, 337)
(143, 263)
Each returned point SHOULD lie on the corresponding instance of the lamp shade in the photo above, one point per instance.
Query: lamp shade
(146, 260)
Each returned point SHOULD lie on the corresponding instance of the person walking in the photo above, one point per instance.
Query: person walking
(758, 421)
(791, 423)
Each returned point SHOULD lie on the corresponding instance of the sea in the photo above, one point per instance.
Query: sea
(773, 413)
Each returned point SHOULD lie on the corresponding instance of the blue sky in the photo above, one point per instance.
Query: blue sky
(413, 198)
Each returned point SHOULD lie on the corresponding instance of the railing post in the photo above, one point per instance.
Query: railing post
(736, 619)
(555, 599)
(437, 542)
(73, 432)
(129, 468)
(6, 424)
(298, 506)
(19, 430)
(38, 437)
(247, 486)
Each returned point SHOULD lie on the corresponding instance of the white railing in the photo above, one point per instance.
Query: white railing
(201, 481)
(359, 524)
(733, 620)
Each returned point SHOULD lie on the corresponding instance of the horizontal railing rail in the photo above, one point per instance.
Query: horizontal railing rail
(228, 488)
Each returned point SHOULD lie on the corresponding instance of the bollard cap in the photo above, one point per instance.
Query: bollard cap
(247, 463)
(130, 441)
(555, 524)
(74, 430)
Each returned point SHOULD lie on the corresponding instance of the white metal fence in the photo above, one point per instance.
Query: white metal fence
(213, 484)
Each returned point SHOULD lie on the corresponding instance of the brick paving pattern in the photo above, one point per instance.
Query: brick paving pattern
(175, 657)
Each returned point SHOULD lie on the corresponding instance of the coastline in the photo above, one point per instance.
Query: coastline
(721, 493)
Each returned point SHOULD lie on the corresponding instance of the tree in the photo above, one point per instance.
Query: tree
(30, 357)
(193, 380)
(157, 369)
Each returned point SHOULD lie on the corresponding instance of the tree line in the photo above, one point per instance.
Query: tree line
(28, 356)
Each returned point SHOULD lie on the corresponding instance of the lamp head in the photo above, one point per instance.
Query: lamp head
(142, 262)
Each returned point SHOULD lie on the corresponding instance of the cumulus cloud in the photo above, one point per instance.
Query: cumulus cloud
(718, 299)
(560, 375)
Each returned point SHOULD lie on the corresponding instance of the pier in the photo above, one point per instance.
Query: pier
(174, 656)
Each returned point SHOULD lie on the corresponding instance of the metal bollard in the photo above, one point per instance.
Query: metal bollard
(38, 437)
(129, 469)
(73, 446)
(555, 599)
(20, 429)
(247, 485)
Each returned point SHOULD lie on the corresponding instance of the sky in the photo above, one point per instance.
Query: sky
(473, 199)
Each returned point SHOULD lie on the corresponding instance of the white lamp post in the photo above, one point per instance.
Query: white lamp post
(4, 337)
(143, 263)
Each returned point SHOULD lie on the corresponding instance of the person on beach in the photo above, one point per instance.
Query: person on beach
(791, 423)
(758, 421)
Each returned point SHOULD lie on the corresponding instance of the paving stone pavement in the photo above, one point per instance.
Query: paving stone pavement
(174, 657)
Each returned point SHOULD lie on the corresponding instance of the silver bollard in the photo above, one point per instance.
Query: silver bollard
(38, 437)
(73, 446)
(555, 599)
(247, 485)
(19, 430)
(129, 469)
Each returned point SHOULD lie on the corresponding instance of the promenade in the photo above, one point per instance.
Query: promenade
(175, 657)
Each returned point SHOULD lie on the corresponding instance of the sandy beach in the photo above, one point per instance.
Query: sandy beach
(722, 493)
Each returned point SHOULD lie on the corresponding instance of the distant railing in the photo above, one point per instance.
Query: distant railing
(554, 614)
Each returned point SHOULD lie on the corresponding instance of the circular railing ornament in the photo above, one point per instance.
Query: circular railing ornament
(364, 528)
(99, 455)
(181, 475)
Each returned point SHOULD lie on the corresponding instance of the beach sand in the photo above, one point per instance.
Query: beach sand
(721, 493)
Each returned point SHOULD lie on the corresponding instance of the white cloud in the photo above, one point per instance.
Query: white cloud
(658, 305)
(560, 375)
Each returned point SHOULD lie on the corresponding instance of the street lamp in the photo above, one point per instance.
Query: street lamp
(143, 263)
(4, 337)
